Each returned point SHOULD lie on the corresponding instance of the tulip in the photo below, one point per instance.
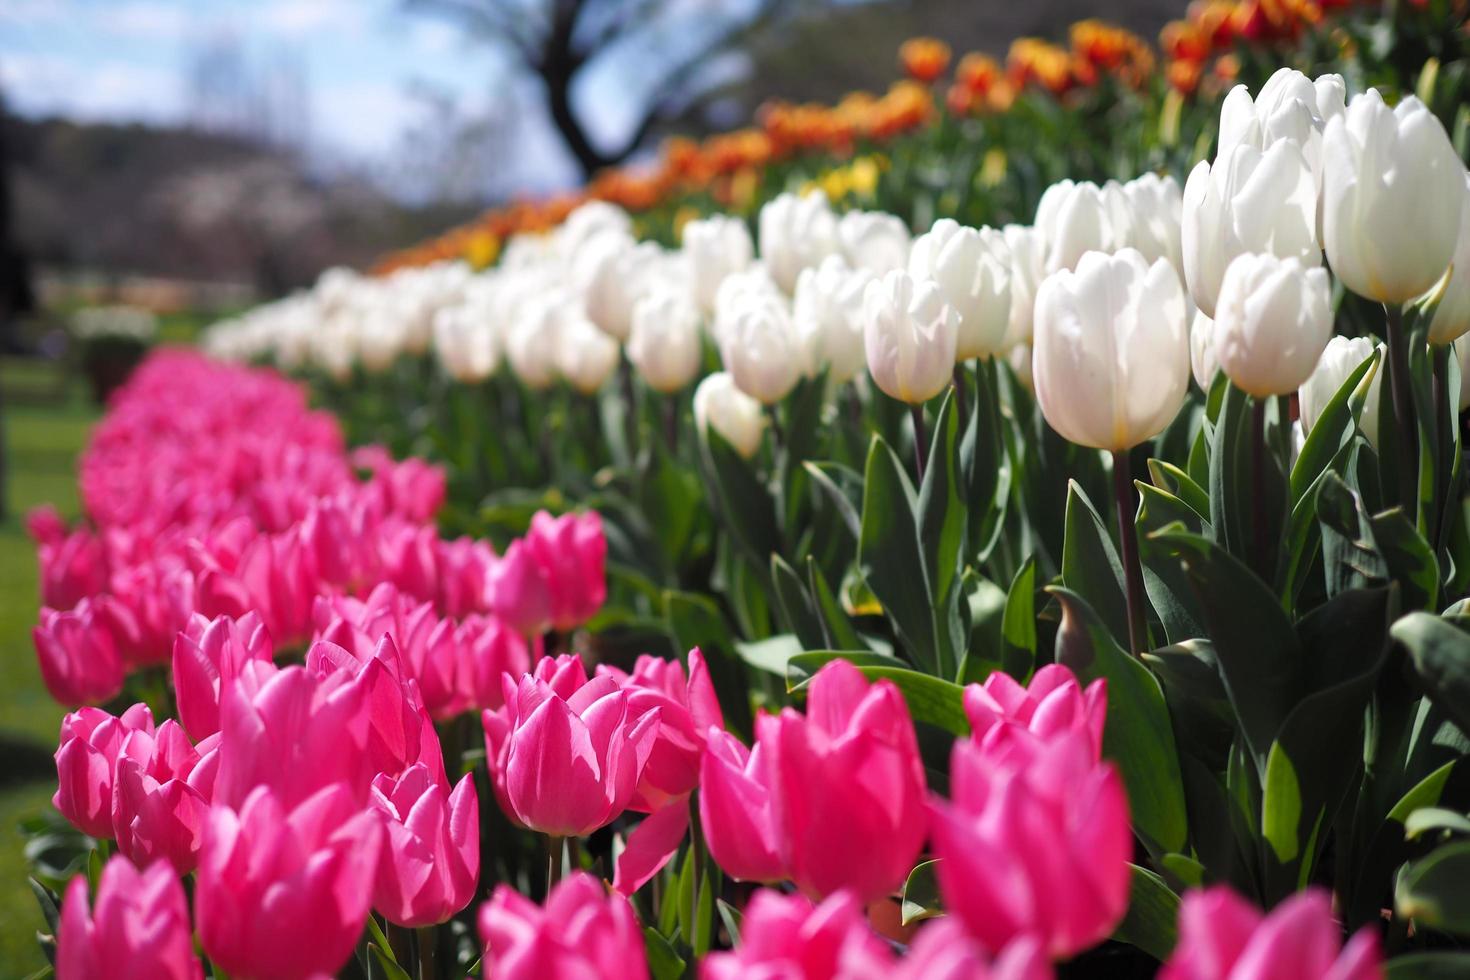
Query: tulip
(466, 343)
(581, 932)
(1054, 702)
(139, 929)
(1450, 318)
(847, 786)
(283, 891)
(520, 590)
(585, 355)
(566, 762)
(1223, 937)
(788, 936)
(973, 271)
(1393, 188)
(209, 655)
(588, 222)
(86, 759)
(78, 656)
(664, 340)
(1247, 201)
(715, 248)
(796, 233)
(160, 794)
(1156, 206)
(738, 418)
(686, 710)
(1339, 359)
(489, 650)
(758, 346)
(1202, 361)
(874, 240)
(615, 271)
(431, 853)
(910, 335)
(531, 339)
(1290, 106)
(572, 551)
(752, 283)
(735, 809)
(73, 566)
(1111, 357)
(1028, 269)
(827, 316)
(1272, 323)
(1077, 218)
(1036, 841)
(944, 951)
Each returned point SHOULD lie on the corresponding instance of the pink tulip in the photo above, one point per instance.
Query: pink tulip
(847, 785)
(1036, 842)
(209, 654)
(86, 758)
(1054, 702)
(45, 525)
(788, 936)
(409, 559)
(566, 753)
(431, 856)
(294, 732)
(521, 590)
(687, 709)
(490, 650)
(582, 932)
(283, 892)
(1224, 937)
(464, 576)
(943, 950)
(735, 809)
(160, 795)
(138, 931)
(73, 566)
(573, 551)
(78, 656)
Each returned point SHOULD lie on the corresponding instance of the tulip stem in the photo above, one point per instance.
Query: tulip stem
(1261, 545)
(921, 448)
(959, 389)
(427, 939)
(696, 845)
(1403, 409)
(671, 423)
(553, 861)
(1444, 434)
(1128, 538)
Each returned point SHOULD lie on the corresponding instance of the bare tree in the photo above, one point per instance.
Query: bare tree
(557, 40)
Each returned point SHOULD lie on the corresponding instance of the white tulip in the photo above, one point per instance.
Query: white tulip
(1076, 218)
(380, 341)
(909, 336)
(1111, 354)
(796, 233)
(1339, 359)
(715, 248)
(1157, 208)
(1393, 189)
(1202, 362)
(738, 418)
(615, 272)
(1020, 360)
(1290, 106)
(874, 240)
(664, 343)
(1028, 268)
(754, 281)
(973, 270)
(1451, 317)
(827, 313)
(531, 341)
(590, 220)
(585, 356)
(759, 348)
(1249, 201)
(465, 343)
(1272, 322)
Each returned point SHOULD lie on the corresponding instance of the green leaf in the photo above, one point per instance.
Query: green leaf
(1018, 625)
(1429, 966)
(386, 963)
(771, 654)
(1174, 481)
(984, 467)
(891, 559)
(1152, 912)
(1440, 653)
(1333, 429)
(921, 894)
(663, 962)
(732, 919)
(1137, 735)
(1231, 501)
(941, 507)
(50, 909)
(743, 499)
(930, 699)
(1435, 890)
(1090, 565)
(794, 606)
(695, 621)
(837, 630)
(843, 486)
(1433, 819)
(1167, 585)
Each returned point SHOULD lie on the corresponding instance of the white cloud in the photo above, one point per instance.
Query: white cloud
(146, 20)
(304, 18)
(43, 84)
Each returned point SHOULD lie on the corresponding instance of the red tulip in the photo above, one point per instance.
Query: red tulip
(139, 929)
(86, 759)
(788, 936)
(431, 854)
(582, 932)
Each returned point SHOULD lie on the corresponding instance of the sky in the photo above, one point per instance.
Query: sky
(128, 60)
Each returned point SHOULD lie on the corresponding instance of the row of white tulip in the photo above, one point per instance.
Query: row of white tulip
(1094, 301)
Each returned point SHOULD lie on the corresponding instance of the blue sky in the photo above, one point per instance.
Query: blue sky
(128, 60)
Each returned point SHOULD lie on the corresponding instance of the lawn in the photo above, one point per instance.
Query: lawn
(46, 423)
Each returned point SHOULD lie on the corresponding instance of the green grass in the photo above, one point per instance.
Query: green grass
(46, 421)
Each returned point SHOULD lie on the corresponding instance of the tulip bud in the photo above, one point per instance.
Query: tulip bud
(1028, 268)
(1222, 937)
(759, 348)
(209, 654)
(751, 283)
(874, 240)
(615, 274)
(1077, 218)
(973, 271)
(1450, 318)
(1272, 322)
(490, 650)
(664, 342)
(431, 855)
(737, 417)
(582, 931)
(1202, 361)
(78, 657)
(585, 355)
(590, 221)
(788, 936)
(1339, 359)
(1156, 208)
(827, 315)
(572, 552)
(715, 248)
(1248, 201)
(910, 335)
(531, 341)
(139, 926)
(1393, 189)
(86, 762)
(687, 709)
(466, 343)
(1290, 106)
(1111, 359)
(796, 233)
